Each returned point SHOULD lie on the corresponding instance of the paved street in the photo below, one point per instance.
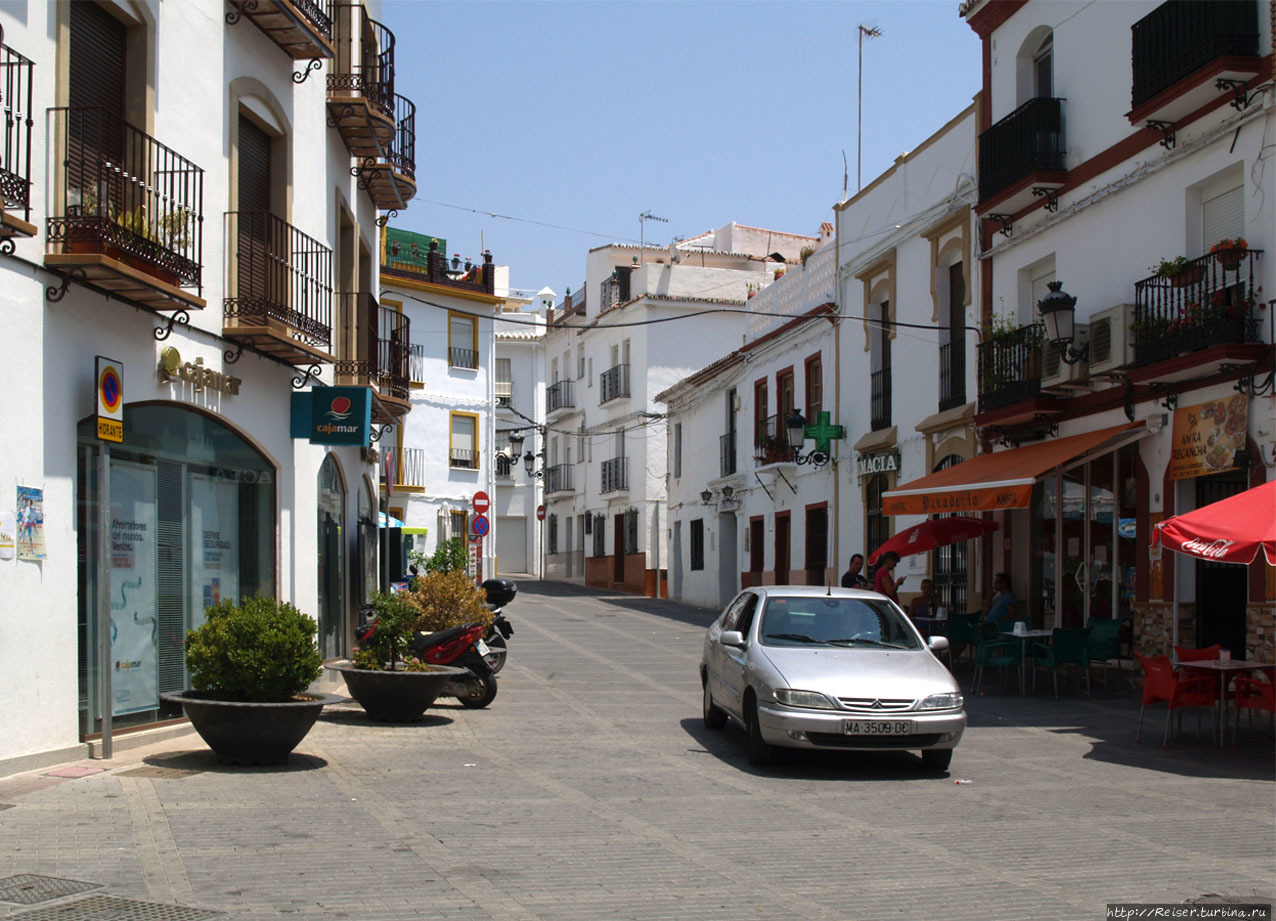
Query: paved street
(591, 790)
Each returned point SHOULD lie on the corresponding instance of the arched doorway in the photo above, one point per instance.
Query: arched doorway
(331, 559)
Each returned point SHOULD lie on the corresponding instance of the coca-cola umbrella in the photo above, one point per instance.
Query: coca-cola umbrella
(936, 532)
(1228, 531)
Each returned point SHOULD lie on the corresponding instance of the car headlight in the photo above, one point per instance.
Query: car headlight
(809, 699)
(949, 701)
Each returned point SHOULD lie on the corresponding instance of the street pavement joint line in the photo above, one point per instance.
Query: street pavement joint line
(158, 854)
(486, 895)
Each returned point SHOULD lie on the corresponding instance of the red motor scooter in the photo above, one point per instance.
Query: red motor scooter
(461, 647)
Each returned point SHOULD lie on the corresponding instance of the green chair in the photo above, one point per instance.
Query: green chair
(1105, 641)
(992, 649)
(1066, 647)
(963, 628)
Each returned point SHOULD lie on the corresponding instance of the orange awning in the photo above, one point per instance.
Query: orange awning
(1004, 479)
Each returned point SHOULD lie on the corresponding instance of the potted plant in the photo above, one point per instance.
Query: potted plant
(1179, 271)
(383, 676)
(1230, 252)
(250, 664)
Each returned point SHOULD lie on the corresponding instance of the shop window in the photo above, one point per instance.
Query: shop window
(193, 524)
(330, 558)
(697, 543)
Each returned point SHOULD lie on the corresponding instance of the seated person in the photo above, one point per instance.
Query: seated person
(924, 605)
(1001, 604)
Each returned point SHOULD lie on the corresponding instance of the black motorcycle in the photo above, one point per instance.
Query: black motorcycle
(500, 592)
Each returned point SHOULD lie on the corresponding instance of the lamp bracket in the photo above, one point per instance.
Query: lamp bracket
(1051, 196)
(1070, 355)
(1167, 129)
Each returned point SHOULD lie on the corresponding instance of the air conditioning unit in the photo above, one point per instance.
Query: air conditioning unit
(1111, 344)
(1055, 372)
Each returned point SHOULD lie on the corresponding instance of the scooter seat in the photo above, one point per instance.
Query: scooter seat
(425, 640)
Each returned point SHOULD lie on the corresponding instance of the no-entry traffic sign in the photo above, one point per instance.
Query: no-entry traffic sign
(540, 513)
(481, 502)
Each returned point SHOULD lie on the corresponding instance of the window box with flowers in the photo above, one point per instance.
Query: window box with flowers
(1230, 252)
(1180, 271)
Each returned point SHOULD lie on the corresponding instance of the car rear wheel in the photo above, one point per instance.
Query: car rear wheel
(937, 759)
(761, 752)
(714, 716)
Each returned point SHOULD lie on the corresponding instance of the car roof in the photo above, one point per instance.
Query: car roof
(822, 591)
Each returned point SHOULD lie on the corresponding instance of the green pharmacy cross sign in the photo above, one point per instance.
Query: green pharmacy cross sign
(823, 432)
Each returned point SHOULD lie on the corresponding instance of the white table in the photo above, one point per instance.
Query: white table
(1225, 672)
(1023, 658)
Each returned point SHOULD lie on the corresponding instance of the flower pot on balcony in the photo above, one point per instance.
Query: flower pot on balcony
(1230, 259)
(1188, 275)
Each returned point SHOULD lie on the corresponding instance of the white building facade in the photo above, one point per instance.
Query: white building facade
(160, 222)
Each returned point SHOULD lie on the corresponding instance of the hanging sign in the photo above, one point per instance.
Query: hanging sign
(1206, 437)
(110, 399)
(869, 464)
(333, 415)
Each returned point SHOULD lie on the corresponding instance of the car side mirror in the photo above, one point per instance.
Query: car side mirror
(732, 638)
(937, 643)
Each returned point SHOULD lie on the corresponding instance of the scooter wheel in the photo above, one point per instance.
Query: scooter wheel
(495, 658)
(482, 691)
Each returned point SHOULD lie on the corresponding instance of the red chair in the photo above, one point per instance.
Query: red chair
(1160, 683)
(1185, 654)
(1253, 694)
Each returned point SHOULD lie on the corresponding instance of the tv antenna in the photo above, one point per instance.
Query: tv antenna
(642, 227)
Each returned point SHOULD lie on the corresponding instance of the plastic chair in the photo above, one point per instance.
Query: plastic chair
(1067, 647)
(993, 649)
(1184, 654)
(1160, 683)
(1253, 694)
(1105, 642)
(963, 628)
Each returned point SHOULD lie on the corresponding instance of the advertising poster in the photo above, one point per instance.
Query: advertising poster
(134, 624)
(1207, 436)
(8, 536)
(214, 541)
(30, 523)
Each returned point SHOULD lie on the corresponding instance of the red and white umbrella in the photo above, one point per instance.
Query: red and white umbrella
(935, 532)
(1228, 531)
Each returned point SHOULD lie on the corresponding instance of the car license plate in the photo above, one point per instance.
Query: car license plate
(877, 727)
(481, 647)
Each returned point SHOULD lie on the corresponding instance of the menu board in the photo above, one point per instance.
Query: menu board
(1207, 437)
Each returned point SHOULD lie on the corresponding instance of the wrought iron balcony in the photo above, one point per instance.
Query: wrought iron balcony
(375, 351)
(278, 288)
(613, 383)
(1028, 140)
(390, 179)
(726, 454)
(467, 276)
(1210, 301)
(462, 457)
(880, 399)
(416, 364)
(462, 358)
(952, 374)
(771, 441)
(558, 478)
(302, 28)
(361, 101)
(1180, 37)
(504, 393)
(16, 78)
(615, 474)
(559, 396)
(129, 211)
(1010, 367)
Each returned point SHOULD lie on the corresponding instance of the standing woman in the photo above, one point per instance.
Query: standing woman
(884, 582)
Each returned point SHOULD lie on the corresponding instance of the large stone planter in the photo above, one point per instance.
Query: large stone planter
(398, 696)
(248, 732)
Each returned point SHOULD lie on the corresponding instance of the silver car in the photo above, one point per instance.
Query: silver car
(811, 667)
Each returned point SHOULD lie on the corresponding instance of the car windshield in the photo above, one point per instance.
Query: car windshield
(819, 620)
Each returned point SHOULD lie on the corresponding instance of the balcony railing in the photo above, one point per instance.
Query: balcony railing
(559, 396)
(437, 270)
(504, 393)
(361, 100)
(615, 474)
(1182, 36)
(880, 399)
(462, 457)
(377, 352)
(302, 28)
(416, 364)
(126, 196)
(726, 454)
(558, 478)
(277, 276)
(1028, 139)
(952, 374)
(771, 441)
(390, 179)
(1010, 367)
(613, 383)
(462, 358)
(1210, 301)
(16, 78)
(407, 466)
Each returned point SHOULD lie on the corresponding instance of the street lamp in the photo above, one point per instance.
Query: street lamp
(706, 496)
(529, 464)
(795, 422)
(1058, 312)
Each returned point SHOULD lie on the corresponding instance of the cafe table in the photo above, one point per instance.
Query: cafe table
(1225, 672)
(1024, 637)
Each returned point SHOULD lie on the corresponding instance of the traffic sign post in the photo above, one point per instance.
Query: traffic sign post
(480, 525)
(108, 380)
(481, 502)
(540, 513)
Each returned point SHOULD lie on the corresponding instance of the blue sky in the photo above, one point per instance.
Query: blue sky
(584, 115)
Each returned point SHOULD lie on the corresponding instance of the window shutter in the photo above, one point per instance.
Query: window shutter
(254, 167)
(1223, 217)
(97, 59)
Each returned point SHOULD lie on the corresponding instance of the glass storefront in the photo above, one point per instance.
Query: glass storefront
(331, 559)
(192, 511)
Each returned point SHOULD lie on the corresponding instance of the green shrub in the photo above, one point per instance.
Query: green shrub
(447, 599)
(259, 650)
(392, 639)
(449, 556)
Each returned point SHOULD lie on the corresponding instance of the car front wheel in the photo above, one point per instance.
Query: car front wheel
(937, 759)
(714, 716)
(761, 752)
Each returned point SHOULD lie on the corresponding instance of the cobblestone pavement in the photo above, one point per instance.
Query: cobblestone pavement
(590, 790)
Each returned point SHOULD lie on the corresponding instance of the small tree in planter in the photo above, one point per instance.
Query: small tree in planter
(250, 665)
(447, 599)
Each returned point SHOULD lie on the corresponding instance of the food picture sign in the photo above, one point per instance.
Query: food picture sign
(1207, 436)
